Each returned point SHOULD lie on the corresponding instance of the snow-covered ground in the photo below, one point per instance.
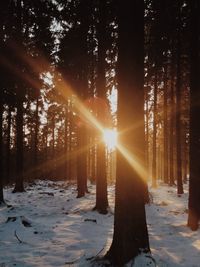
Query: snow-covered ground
(48, 226)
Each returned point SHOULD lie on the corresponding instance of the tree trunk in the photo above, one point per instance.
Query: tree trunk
(147, 129)
(178, 118)
(82, 162)
(66, 144)
(83, 94)
(8, 144)
(36, 139)
(154, 156)
(101, 179)
(194, 186)
(130, 230)
(1, 147)
(171, 130)
(19, 184)
(53, 171)
(165, 133)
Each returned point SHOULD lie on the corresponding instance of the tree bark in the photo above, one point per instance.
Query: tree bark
(171, 130)
(154, 156)
(19, 184)
(178, 116)
(165, 133)
(36, 173)
(8, 144)
(101, 179)
(82, 162)
(194, 186)
(130, 230)
(1, 147)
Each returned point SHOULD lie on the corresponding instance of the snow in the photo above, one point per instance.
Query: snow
(48, 226)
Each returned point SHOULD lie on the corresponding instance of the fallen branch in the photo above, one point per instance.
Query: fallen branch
(153, 260)
(94, 257)
(74, 261)
(20, 241)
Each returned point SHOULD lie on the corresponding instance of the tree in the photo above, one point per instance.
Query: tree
(101, 179)
(194, 186)
(178, 108)
(19, 186)
(154, 152)
(130, 230)
(1, 145)
(1, 106)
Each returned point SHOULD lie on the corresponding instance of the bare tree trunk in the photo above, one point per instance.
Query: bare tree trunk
(67, 140)
(8, 134)
(101, 179)
(1, 147)
(19, 184)
(154, 156)
(147, 129)
(82, 162)
(178, 118)
(36, 139)
(194, 187)
(171, 139)
(165, 133)
(130, 230)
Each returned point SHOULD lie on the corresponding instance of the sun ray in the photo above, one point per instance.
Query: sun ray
(66, 90)
(110, 138)
(133, 161)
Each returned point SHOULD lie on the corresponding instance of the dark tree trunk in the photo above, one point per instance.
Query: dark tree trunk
(19, 184)
(93, 156)
(1, 147)
(36, 139)
(8, 134)
(101, 179)
(101, 182)
(83, 94)
(154, 156)
(178, 118)
(194, 187)
(165, 134)
(185, 153)
(147, 129)
(82, 162)
(66, 144)
(171, 130)
(53, 172)
(70, 158)
(130, 230)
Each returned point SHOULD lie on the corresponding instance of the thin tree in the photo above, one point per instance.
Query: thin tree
(1, 112)
(19, 186)
(194, 186)
(154, 155)
(171, 127)
(130, 230)
(101, 179)
(178, 109)
(165, 130)
(1, 146)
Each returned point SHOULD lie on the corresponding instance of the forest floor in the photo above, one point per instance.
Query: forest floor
(48, 226)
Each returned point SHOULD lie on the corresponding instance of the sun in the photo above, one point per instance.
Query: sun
(110, 138)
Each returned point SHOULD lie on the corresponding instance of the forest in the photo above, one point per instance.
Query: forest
(99, 133)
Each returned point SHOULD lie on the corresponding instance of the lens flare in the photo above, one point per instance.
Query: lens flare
(110, 138)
